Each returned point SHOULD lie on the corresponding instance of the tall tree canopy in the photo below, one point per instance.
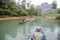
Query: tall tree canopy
(54, 5)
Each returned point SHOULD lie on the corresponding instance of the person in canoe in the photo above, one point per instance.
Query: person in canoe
(38, 34)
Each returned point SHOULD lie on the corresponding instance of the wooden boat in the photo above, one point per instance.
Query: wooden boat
(24, 21)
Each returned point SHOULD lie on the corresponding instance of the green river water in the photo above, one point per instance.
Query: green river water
(12, 30)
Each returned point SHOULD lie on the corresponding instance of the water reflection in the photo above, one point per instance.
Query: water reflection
(58, 35)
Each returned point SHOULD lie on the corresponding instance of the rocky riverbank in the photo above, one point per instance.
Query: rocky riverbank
(50, 17)
(14, 18)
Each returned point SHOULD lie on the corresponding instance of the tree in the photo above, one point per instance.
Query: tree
(54, 5)
(34, 11)
(8, 7)
(23, 4)
(31, 10)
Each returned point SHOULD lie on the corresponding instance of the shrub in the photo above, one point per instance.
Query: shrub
(58, 17)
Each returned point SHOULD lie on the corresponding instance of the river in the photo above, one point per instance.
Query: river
(12, 30)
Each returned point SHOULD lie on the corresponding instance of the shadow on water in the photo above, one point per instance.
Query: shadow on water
(12, 30)
(58, 35)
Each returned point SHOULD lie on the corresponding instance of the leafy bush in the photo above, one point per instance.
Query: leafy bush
(5, 12)
(22, 13)
(58, 17)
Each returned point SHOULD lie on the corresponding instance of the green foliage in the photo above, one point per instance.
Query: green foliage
(58, 11)
(23, 4)
(54, 5)
(22, 13)
(9, 8)
(38, 11)
(34, 11)
(58, 17)
(5, 12)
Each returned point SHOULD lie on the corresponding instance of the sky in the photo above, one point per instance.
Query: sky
(38, 2)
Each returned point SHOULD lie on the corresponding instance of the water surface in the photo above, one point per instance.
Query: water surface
(12, 30)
